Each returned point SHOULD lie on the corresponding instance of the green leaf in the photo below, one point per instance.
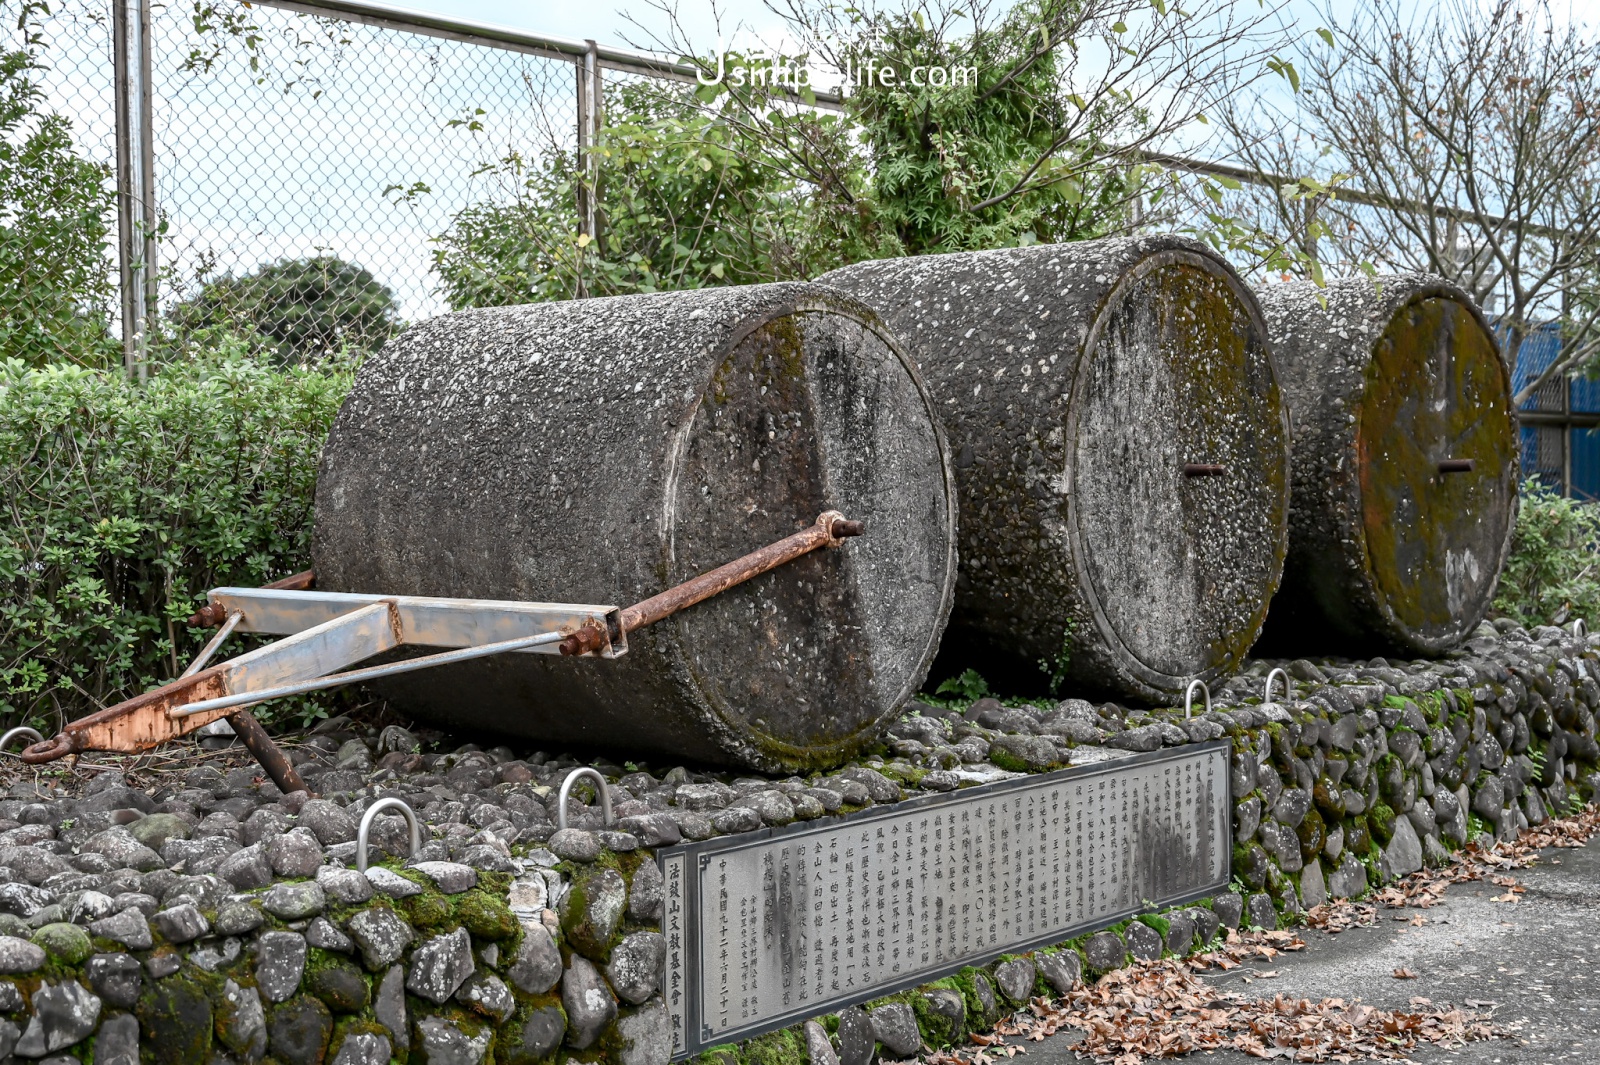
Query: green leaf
(1326, 36)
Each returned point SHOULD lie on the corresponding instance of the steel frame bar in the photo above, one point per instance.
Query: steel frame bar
(326, 632)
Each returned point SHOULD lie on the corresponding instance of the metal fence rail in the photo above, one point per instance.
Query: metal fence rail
(244, 136)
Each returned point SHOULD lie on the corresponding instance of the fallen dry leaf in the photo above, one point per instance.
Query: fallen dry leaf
(1161, 1009)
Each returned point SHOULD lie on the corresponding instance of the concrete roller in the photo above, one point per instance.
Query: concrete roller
(1121, 458)
(602, 450)
(1405, 465)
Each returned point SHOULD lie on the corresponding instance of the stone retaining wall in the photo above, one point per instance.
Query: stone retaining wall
(216, 920)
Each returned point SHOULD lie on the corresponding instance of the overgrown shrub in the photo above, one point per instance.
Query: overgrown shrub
(125, 504)
(1553, 573)
(307, 309)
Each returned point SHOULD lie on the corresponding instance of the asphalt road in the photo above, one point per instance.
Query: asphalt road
(1536, 960)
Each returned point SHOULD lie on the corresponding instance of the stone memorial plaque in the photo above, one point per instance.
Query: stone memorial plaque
(768, 928)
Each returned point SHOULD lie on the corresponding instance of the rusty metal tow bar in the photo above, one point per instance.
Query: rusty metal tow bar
(327, 632)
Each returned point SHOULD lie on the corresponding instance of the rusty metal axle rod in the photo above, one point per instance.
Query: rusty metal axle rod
(830, 530)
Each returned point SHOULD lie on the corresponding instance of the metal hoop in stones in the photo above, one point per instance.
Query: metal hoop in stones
(566, 790)
(1579, 629)
(373, 811)
(1288, 691)
(21, 730)
(1188, 697)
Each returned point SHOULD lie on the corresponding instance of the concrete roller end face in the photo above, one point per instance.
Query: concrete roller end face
(603, 450)
(1405, 465)
(1121, 453)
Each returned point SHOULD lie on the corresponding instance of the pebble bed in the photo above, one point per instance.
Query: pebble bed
(215, 919)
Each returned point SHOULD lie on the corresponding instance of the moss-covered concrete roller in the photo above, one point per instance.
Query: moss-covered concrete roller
(600, 451)
(1120, 449)
(1405, 464)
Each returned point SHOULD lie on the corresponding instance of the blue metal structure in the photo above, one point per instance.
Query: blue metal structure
(1560, 422)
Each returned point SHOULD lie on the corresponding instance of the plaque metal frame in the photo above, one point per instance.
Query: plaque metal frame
(683, 867)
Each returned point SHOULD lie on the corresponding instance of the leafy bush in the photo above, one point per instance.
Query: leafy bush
(1553, 573)
(306, 308)
(125, 504)
(685, 203)
(55, 209)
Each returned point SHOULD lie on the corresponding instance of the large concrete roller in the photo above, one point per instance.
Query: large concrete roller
(602, 450)
(1405, 465)
(1120, 449)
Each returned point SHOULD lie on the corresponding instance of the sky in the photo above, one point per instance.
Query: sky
(611, 24)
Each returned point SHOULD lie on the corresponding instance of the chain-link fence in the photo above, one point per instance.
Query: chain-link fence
(303, 161)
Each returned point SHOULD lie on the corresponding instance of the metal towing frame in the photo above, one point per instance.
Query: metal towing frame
(328, 632)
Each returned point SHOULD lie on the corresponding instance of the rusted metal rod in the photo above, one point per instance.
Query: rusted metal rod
(1203, 469)
(829, 530)
(1457, 465)
(269, 754)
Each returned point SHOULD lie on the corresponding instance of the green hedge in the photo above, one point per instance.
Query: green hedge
(123, 504)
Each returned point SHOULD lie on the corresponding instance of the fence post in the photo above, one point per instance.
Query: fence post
(588, 71)
(136, 216)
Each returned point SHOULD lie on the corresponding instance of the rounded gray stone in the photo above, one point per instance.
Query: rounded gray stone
(1229, 908)
(363, 1048)
(440, 965)
(61, 1015)
(116, 978)
(324, 935)
(488, 995)
(329, 822)
(736, 819)
(538, 964)
(344, 885)
(391, 883)
(381, 934)
(180, 924)
(574, 845)
(635, 966)
(1144, 942)
(588, 1001)
(819, 1048)
(681, 405)
(895, 1026)
(294, 902)
(128, 928)
(246, 869)
(295, 854)
(242, 1023)
(280, 963)
(389, 1006)
(1061, 969)
(1015, 980)
(446, 1043)
(1260, 912)
(645, 893)
(452, 878)
(538, 1035)
(1180, 933)
(116, 1042)
(857, 1043)
(1104, 951)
